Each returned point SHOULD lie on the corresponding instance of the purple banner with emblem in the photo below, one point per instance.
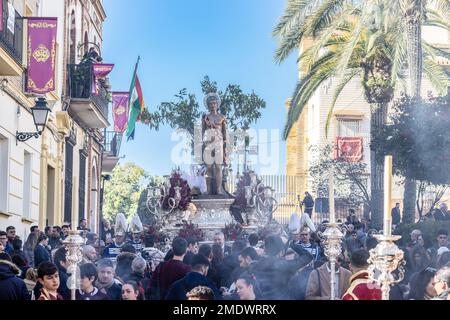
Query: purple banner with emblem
(41, 47)
(100, 71)
(120, 102)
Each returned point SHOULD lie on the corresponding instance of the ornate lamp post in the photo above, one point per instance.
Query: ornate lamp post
(73, 244)
(40, 114)
(333, 237)
(386, 257)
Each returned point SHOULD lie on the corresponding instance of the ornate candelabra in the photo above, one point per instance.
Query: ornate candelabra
(73, 244)
(156, 198)
(333, 237)
(386, 257)
(260, 200)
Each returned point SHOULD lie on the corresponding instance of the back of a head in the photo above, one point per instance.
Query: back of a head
(17, 244)
(60, 256)
(18, 260)
(200, 293)
(359, 259)
(138, 265)
(42, 237)
(253, 239)
(238, 246)
(129, 248)
(199, 261)
(179, 246)
(273, 245)
(217, 251)
(443, 274)
(88, 249)
(46, 268)
(249, 252)
(443, 259)
(205, 249)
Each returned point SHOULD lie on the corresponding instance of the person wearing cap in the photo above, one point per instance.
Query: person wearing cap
(136, 229)
(115, 248)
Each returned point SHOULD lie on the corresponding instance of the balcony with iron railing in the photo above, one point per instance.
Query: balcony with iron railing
(111, 150)
(87, 103)
(11, 43)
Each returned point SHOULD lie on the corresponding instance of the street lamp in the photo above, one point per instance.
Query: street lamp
(40, 114)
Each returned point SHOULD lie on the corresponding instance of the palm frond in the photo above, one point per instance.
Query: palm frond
(437, 75)
(323, 69)
(337, 92)
(323, 15)
(288, 43)
(292, 16)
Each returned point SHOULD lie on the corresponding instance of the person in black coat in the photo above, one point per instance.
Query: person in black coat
(308, 202)
(41, 253)
(272, 273)
(60, 262)
(197, 277)
(11, 286)
(395, 213)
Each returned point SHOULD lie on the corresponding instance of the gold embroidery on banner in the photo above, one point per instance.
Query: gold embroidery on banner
(120, 110)
(44, 25)
(41, 54)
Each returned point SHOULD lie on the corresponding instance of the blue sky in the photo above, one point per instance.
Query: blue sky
(181, 41)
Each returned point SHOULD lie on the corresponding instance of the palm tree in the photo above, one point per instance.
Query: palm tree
(352, 40)
(415, 12)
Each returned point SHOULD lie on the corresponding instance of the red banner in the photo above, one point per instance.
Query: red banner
(349, 149)
(100, 71)
(41, 54)
(120, 102)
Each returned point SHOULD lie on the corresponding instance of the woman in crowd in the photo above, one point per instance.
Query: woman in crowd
(130, 291)
(422, 285)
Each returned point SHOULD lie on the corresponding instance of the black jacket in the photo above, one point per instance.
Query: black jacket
(273, 273)
(11, 287)
(63, 290)
(41, 254)
(180, 288)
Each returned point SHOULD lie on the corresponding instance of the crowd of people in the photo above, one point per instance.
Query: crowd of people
(120, 265)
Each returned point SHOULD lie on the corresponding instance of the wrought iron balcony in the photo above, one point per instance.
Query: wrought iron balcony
(11, 44)
(86, 104)
(111, 144)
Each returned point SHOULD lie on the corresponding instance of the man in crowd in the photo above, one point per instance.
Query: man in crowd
(87, 291)
(197, 277)
(312, 248)
(89, 254)
(442, 283)
(114, 249)
(7, 247)
(219, 238)
(106, 282)
(272, 272)
(167, 272)
(442, 214)
(319, 287)
(395, 214)
(83, 225)
(361, 288)
(441, 241)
